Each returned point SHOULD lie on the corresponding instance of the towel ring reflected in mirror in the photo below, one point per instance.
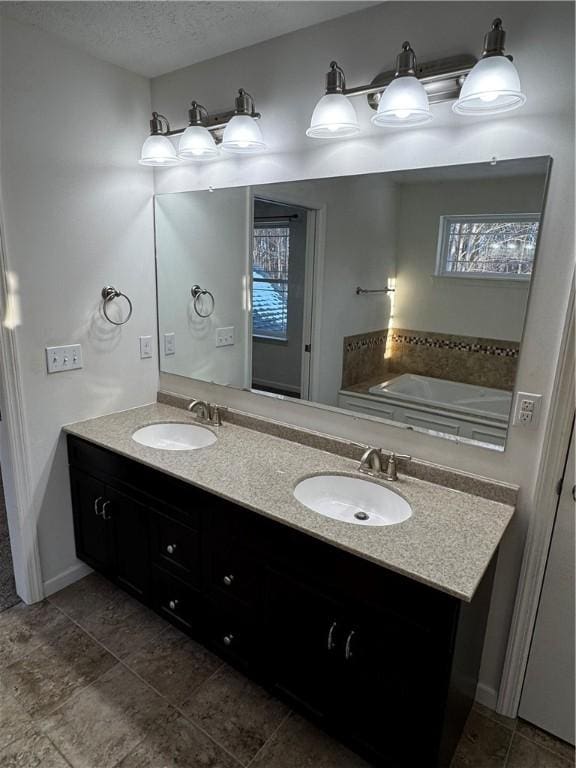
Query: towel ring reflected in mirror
(197, 294)
(109, 293)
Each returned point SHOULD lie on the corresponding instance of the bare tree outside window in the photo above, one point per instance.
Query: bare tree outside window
(491, 245)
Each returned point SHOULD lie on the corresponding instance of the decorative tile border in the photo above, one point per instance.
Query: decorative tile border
(365, 341)
(492, 490)
(446, 342)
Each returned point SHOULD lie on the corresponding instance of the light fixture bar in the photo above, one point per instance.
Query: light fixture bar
(442, 80)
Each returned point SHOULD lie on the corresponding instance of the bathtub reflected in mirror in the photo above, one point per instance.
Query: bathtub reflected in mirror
(398, 296)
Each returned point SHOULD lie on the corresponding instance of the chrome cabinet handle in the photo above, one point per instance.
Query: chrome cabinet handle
(228, 580)
(330, 642)
(348, 647)
(104, 508)
(171, 548)
(173, 604)
(227, 639)
(96, 506)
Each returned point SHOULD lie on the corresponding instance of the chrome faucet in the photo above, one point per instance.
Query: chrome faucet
(206, 412)
(392, 468)
(371, 464)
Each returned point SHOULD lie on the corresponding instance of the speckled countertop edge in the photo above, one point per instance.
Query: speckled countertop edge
(447, 543)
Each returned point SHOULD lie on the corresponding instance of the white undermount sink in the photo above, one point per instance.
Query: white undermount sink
(352, 500)
(175, 436)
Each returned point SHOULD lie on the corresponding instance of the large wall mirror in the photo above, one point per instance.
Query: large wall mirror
(400, 296)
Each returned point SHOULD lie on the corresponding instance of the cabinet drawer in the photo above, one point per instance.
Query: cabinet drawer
(177, 601)
(176, 547)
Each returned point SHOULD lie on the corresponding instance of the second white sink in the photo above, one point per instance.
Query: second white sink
(352, 500)
(175, 436)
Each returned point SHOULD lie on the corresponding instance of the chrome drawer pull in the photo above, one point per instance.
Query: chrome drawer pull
(96, 506)
(173, 604)
(104, 508)
(171, 548)
(331, 631)
(227, 640)
(228, 580)
(348, 648)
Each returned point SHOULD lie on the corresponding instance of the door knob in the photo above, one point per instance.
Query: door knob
(171, 548)
(227, 640)
(173, 604)
(105, 514)
(330, 642)
(96, 502)
(228, 580)
(348, 646)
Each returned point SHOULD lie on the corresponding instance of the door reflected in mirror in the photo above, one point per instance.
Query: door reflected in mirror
(398, 296)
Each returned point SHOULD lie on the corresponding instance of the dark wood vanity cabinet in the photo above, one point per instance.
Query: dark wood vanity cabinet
(371, 656)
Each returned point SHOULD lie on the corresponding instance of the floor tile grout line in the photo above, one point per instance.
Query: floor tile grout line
(272, 735)
(148, 685)
(546, 748)
(507, 756)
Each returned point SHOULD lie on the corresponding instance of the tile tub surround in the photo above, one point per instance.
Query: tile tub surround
(132, 717)
(364, 357)
(471, 360)
(493, 490)
(448, 542)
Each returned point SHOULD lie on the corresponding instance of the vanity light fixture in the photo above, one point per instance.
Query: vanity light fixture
(200, 140)
(402, 97)
(158, 150)
(334, 115)
(243, 134)
(197, 143)
(405, 101)
(493, 85)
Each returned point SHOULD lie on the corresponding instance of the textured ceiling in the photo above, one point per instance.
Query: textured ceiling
(152, 38)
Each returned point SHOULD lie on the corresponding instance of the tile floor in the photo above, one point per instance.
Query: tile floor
(91, 679)
(8, 596)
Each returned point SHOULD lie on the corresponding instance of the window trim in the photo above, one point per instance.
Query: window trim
(277, 224)
(443, 233)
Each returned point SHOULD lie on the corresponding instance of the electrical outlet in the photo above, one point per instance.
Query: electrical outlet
(225, 337)
(67, 358)
(169, 344)
(527, 410)
(145, 347)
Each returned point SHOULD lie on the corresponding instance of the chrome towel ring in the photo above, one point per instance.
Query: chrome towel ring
(197, 294)
(109, 293)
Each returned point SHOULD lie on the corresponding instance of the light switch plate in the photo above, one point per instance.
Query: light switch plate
(225, 336)
(169, 344)
(527, 410)
(145, 347)
(66, 358)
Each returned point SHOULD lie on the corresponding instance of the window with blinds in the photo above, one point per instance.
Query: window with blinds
(488, 246)
(270, 265)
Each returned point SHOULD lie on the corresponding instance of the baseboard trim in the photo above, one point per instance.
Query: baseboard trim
(486, 696)
(67, 577)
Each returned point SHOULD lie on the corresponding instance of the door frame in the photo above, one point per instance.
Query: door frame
(539, 534)
(16, 462)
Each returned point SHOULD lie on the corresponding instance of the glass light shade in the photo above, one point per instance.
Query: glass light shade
(492, 86)
(333, 118)
(197, 143)
(158, 150)
(404, 102)
(243, 135)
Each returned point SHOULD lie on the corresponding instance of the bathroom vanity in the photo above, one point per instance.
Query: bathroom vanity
(374, 633)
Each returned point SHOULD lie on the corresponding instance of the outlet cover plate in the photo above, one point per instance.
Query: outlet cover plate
(527, 410)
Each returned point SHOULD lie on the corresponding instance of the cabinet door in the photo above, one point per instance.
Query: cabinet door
(93, 542)
(130, 531)
(305, 633)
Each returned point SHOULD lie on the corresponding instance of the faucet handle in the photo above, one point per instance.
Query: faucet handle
(401, 456)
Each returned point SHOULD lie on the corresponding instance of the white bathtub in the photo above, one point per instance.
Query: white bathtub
(448, 395)
(444, 407)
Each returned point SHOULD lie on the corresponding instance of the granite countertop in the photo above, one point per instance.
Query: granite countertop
(447, 543)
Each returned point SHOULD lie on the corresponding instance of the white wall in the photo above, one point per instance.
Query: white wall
(286, 76)
(357, 243)
(468, 307)
(78, 215)
(202, 239)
